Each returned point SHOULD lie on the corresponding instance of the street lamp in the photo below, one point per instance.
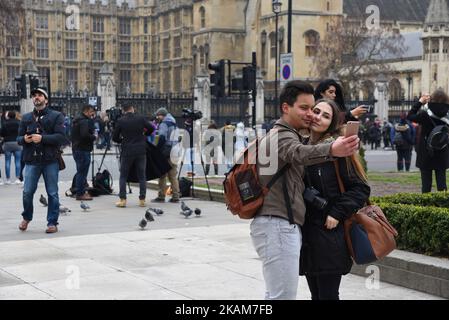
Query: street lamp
(276, 10)
(409, 80)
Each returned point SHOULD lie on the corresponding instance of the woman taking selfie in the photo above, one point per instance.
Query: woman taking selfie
(324, 255)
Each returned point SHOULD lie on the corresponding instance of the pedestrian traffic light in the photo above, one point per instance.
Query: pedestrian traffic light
(21, 86)
(218, 79)
(249, 78)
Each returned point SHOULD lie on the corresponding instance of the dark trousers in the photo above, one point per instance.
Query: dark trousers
(404, 157)
(82, 161)
(140, 163)
(324, 287)
(426, 180)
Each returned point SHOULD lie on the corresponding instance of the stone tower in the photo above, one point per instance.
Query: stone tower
(436, 47)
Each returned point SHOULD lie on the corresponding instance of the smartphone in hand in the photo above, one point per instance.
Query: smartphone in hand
(352, 128)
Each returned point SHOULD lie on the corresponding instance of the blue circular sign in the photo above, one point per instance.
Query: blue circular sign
(286, 72)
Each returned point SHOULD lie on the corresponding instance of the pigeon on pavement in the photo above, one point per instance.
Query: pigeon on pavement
(184, 207)
(149, 216)
(63, 210)
(43, 200)
(143, 223)
(84, 206)
(186, 213)
(197, 212)
(157, 211)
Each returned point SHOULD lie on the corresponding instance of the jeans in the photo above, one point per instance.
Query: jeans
(404, 157)
(82, 161)
(32, 175)
(140, 163)
(324, 287)
(278, 244)
(17, 158)
(426, 180)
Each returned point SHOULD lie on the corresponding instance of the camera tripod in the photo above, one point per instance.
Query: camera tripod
(191, 150)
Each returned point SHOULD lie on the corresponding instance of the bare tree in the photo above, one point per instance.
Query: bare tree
(352, 52)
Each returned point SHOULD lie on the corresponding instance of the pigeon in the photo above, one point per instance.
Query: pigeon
(197, 212)
(84, 206)
(64, 211)
(149, 216)
(157, 211)
(143, 223)
(43, 200)
(186, 213)
(184, 207)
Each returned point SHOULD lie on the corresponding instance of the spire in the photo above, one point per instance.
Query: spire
(438, 13)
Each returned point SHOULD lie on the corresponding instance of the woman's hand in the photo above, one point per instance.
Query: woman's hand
(359, 111)
(425, 99)
(331, 223)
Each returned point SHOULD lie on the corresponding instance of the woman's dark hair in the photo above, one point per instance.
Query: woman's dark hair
(335, 125)
(292, 90)
(439, 96)
(11, 114)
(324, 86)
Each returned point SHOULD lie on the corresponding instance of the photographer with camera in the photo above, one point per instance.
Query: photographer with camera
(167, 140)
(41, 133)
(131, 131)
(83, 137)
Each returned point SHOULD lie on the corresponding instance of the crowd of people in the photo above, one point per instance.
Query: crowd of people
(294, 236)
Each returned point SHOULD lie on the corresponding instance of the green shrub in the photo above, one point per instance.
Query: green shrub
(438, 199)
(421, 229)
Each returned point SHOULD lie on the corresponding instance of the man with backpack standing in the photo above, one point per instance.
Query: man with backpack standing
(431, 113)
(403, 137)
(83, 137)
(275, 230)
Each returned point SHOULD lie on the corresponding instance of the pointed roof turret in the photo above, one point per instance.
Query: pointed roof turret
(438, 13)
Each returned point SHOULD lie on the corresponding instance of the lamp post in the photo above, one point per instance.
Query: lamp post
(276, 10)
(409, 80)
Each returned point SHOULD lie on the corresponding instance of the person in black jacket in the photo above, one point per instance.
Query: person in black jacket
(324, 255)
(331, 90)
(41, 133)
(131, 131)
(434, 113)
(83, 137)
(9, 132)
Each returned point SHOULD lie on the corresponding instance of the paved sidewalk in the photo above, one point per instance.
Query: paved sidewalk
(210, 257)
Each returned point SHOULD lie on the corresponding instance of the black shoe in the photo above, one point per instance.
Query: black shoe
(173, 200)
(158, 200)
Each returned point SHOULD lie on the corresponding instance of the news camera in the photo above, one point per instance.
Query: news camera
(191, 114)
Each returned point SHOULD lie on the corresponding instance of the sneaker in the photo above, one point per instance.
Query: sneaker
(17, 181)
(158, 200)
(51, 229)
(142, 203)
(121, 203)
(8, 181)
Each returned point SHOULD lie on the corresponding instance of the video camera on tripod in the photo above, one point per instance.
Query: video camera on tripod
(114, 114)
(191, 114)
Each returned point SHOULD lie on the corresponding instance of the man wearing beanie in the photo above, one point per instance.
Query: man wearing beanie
(168, 139)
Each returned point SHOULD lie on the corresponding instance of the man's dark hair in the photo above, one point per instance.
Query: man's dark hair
(439, 96)
(228, 122)
(292, 90)
(11, 114)
(87, 107)
(127, 107)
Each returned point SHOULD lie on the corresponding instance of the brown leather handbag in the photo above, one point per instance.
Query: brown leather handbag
(368, 234)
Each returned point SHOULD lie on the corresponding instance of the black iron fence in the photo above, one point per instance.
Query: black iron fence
(235, 109)
(9, 100)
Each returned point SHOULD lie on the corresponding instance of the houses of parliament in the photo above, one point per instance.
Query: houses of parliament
(159, 46)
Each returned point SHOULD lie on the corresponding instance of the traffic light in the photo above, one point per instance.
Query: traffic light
(218, 79)
(249, 78)
(34, 83)
(21, 86)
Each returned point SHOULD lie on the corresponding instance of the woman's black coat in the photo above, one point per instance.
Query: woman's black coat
(324, 251)
(440, 160)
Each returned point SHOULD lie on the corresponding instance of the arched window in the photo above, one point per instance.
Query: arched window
(273, 45)
(203, 17)
(312, 40)
(202, 62)
(263, 41)
(206, 54)
(395, 90)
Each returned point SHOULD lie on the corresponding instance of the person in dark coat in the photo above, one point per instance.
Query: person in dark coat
(131, 131)
(330, 89)
(403, 139)
(434, 113)
(375, 135)
(324, 254)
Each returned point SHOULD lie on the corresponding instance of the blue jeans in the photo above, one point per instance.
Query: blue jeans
(32, 176)
(82, 161)
(17, 158)
(278, 244)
